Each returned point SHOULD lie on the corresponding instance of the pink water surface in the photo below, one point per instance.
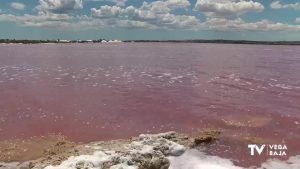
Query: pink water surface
(91, 92)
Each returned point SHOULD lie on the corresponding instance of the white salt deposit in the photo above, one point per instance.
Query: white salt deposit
(174, 149)
(123, 166)
(8, 165)
(147, 144)
(84, 161)
(141, 148)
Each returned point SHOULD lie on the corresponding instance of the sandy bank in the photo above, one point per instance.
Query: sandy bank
(169, 150)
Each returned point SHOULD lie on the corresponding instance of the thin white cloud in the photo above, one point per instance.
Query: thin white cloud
(279, 5)
(227, 8)
(116, 2)
(223, 24)
(43, 20)
(60, 6)
(120, 2)
(18, 6)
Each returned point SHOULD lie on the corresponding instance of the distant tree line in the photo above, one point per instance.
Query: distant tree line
(24, 41)
(27, 41)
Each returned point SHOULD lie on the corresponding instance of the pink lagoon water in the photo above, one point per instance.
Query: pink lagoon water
(91, 92)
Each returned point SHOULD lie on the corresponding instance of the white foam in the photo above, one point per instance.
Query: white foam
(194, 159)
(291, 163)
(167, 74)
(282, 86)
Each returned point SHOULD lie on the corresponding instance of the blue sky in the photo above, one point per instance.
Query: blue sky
(150, 19)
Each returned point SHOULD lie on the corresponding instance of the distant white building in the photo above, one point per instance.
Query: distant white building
(64, 41)
(114, 41)
(103, 41)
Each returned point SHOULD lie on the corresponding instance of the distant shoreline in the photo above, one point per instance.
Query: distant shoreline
(220, 41)
(228, 42)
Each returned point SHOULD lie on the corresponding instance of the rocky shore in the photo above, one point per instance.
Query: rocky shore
(148, 151)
